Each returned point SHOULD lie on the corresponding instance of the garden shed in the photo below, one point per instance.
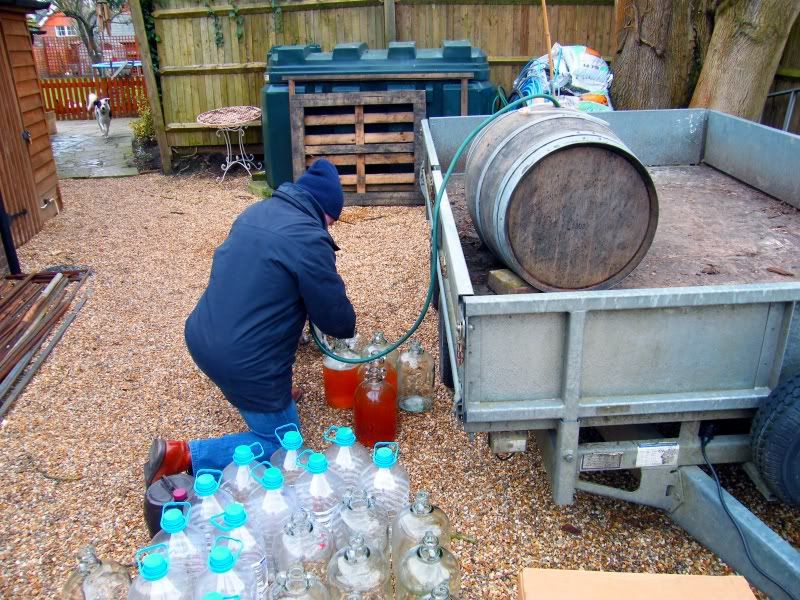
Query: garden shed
(28, 179)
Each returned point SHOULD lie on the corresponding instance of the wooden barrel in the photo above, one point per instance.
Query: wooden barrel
(560, 199)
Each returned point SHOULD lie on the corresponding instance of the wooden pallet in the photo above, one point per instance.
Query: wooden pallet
(373, 138)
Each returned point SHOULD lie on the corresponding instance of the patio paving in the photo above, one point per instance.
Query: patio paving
(81, 151)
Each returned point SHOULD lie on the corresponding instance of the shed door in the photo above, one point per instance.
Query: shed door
(16, 175)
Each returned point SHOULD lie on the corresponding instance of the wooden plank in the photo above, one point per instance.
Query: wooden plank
(332, 138)
(389, 21)
(390, 178)
(389, 117)
(361, 179)
(382, 138)
(325, 150)
(383, 199)
(223, 10)
(382, 77)
(348, 119)
(152, 88)
(360, 139)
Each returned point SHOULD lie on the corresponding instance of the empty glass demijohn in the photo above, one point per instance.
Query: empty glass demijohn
(362, 515)
(425, 567)
(414, 521)
(357, 567)
(415, 379)
(303, 541)
(297, 584)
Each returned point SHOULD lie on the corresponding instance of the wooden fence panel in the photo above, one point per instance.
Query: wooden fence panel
(68, 96)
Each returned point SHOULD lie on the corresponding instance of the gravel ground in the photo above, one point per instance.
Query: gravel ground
(74, 442)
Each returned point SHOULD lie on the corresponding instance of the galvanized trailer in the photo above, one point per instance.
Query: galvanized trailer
(644, 368)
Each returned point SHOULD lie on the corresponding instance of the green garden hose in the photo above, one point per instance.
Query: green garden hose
(434, 239)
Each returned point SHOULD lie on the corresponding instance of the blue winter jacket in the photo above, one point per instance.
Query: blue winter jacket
(276, 267)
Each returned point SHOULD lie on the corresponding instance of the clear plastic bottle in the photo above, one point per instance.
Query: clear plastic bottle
(234, 523)
(303, 541)
(320, 490)
(415, 379)
(358, 567)
(425, 567)
(285, 457)
(237, 477)
(379, 343)
(209, 500)
(346, 457)
(156, 580)
(361, 515)
(386, 479)
(411, 524)
(186, 544)
(440, 592)
(270, 508)
(226, 574)
(340, 378)
(375, 407)
(296, 583)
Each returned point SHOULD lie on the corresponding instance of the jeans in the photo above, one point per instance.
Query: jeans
(217, 453)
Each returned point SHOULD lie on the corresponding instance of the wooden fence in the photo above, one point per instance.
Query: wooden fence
(215, 55)
(68, 96)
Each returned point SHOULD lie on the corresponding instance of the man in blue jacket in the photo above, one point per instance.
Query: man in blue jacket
(276, 268)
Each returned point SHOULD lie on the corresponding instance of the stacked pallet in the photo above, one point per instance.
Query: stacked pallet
(371, 137)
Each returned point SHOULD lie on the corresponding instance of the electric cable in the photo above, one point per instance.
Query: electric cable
(703, 443)
(434, 240)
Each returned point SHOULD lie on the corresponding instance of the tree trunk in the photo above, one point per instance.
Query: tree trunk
(746, 47)
(660, 52)
(86, 31)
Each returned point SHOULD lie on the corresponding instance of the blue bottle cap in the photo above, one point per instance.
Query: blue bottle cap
(384, 457)
(272, 479)
(317, 463)
(221, 559)
(243, 455)
(205, 485)
(154, 567)
(292, 440)
(173, 521)
(345, 436)
(213, 596)
(235, 515)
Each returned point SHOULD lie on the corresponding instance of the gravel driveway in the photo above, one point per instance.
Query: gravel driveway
(73, 444)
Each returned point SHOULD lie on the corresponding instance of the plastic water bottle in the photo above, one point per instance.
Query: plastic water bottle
(235, 523)
(411, 524)
(359, 568)
(386, 479)
(346, 457)
(270, 508)
(237, 478)
(303, 541)
(285, 457)
(185, 543)
(425, 567)
(218, 596)
(296, 583)
(225, 574)
(156, 580)
(319, 490)
(361, 515)
(209, 500)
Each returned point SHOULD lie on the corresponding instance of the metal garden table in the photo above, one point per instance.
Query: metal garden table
(228, 120)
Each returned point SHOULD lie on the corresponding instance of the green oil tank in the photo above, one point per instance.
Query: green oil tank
(443, 96)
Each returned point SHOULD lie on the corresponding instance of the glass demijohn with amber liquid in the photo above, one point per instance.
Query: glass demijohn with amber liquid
(415, 371)
(378, 344)
(340, 378)
(375, 407)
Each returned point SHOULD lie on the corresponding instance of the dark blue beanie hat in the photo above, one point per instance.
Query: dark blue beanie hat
(322, 181)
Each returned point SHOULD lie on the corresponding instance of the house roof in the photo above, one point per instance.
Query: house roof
(26, 4)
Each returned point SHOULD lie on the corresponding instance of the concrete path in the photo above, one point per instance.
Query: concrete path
(81, 150)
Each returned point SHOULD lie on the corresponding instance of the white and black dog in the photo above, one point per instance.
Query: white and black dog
(102, 112)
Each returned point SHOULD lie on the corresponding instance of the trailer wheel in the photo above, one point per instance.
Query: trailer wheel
(445, 370)
(776, 441)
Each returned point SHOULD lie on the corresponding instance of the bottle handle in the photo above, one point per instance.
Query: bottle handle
(216, 472)
(265, 463)
(329, 435)
(393, 446)
(155, 548)
(218, 521)
(287, 426)
(181, 505)
(218, 539)
(260, 449)
(299, 461)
